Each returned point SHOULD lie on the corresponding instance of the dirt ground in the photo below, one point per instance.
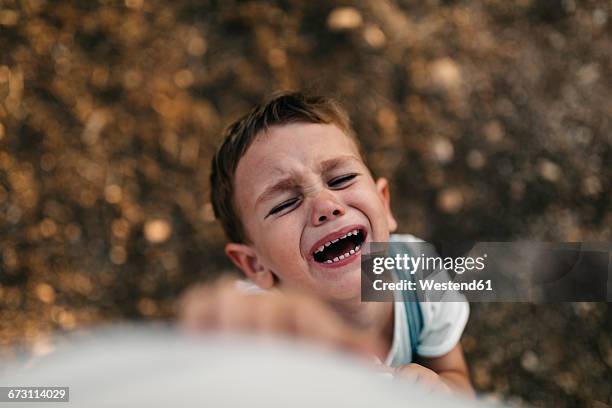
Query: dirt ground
(491, 119)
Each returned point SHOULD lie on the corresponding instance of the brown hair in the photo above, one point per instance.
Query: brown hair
(283, 108)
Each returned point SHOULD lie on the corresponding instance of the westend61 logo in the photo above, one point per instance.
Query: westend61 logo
(411, 264)
(487, 271)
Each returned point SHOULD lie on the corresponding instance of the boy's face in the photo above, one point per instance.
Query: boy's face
(299, 189)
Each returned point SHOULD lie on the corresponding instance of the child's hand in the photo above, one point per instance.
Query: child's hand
(222, 307)
(423, 377)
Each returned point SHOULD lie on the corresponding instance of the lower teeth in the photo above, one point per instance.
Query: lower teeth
(341, 257)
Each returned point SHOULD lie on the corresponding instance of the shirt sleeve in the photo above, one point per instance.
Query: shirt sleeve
(443, 324)
(443, 321)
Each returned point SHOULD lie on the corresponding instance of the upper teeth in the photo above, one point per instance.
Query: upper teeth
(333, 241)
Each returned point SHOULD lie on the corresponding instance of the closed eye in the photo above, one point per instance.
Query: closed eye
(282, 206)
(341, 181)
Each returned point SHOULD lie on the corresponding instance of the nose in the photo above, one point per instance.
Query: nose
(325, 208)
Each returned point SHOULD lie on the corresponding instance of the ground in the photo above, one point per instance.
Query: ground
(491, 118)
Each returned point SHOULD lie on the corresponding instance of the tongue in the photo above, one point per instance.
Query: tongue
(339, 248)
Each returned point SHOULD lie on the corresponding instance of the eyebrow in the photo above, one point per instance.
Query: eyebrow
(290, 182)
(284, 184)
(331, 164)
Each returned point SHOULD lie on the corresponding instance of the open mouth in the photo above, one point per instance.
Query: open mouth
(340, 248)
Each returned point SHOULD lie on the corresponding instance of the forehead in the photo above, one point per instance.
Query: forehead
(289, 148)
(280, 147)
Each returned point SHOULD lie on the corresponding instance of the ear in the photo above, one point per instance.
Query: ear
(245, 258)
(382, 187)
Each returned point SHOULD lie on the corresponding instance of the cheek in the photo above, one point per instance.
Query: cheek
(282, 243)
(367, 201)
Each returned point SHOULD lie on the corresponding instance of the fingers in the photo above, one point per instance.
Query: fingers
(195, 310)
(423, 377)
(215, 307)
(222, 307)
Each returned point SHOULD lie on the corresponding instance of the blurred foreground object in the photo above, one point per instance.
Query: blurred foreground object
(155, 367)
(229, 307)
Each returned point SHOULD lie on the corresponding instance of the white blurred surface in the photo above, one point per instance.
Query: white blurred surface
(156, 367)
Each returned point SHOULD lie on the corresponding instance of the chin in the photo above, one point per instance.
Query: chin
(343, 288)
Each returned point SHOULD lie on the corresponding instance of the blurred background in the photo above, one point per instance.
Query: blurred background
(491, 118)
